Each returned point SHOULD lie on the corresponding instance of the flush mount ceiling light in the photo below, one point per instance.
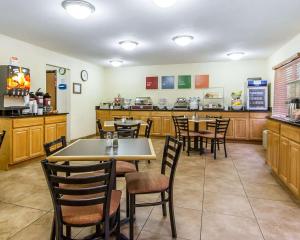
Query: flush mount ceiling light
(78, 9)
(235, 55)
(183, 40)
(128, 45)
(116, 62)
(164, 3)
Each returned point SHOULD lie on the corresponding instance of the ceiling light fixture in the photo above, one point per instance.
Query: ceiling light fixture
(183, 40)
(116, 62)
(78, 9)
(128, 45)
(164, 3)
(235, 55)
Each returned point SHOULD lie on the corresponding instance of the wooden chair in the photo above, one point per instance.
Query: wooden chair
(185, 134)
(218, 136)
(176, 126)
(77, 204)
(210, 127)
(54, 146)
(149, 183)
(124, 129)
(102, 132)
(2, 135)
(148, 130)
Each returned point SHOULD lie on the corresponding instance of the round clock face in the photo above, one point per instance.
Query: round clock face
(84, 75)
(62, 71)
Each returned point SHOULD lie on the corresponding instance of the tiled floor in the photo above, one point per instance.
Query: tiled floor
(228, 199)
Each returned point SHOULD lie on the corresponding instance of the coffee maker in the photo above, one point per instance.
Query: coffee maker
(293, 107)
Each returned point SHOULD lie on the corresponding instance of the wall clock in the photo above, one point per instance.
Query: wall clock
(84, 75)
(62, 71)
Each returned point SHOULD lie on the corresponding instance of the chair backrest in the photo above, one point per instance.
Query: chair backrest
(171, 156)
(148, 128)
(52, 147)
(183, 125)
(2, 135)
(102, 132)
(176, 125)
(127, 129)
(222, 126)
(90, 189)
(212, 124)
(119, 118)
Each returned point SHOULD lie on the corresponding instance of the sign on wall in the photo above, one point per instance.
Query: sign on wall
(167, 82)
(201, 81)
(184, 81)
(151, 82)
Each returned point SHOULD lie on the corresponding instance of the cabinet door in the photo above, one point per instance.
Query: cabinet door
(50, 133)
(275, 151)
(284, 159)
(294, 168)
(256, 128)
(241, 128)
(166, 126)
(230, 132)
(61, 130)
(156, 126)
(36, 141)
(269, 148)
(20, 144)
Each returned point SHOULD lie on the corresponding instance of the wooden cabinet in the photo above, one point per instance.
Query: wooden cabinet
(273, 150)
(294, 168)
(61, 129)
(256, 128)
(167, 128)
(20, 145)
(283, 159)
(156, 126)
(240, 128)
(230, 132)
(36, 141)
(50, 133)
(55, 131)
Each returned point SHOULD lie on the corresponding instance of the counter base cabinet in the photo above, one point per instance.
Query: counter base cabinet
(240, 128)
(256, 128)
(283, 154)
(25, 137)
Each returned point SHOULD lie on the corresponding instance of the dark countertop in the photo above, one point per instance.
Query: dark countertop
(285, 120)
(176, 110)
(29, 116)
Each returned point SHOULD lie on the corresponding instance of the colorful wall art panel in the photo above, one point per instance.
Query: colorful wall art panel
(167, 82)
(201, 81)
(184, 81)
(151, 82)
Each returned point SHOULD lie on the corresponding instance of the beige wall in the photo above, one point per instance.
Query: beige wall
(130, 81)
(82, 107)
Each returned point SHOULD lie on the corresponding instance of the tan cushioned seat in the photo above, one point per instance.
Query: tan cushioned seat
(89, 214)
(191, 134)
(144, 182)
(212, 135)
(123, 167)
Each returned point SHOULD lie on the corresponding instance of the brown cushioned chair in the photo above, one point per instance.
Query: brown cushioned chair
(149, 183)
(79, 204)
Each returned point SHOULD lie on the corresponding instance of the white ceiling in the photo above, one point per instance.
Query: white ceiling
(257, 27)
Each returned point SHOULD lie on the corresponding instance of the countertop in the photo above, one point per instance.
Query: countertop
(285, 120)
(30, 116)
(179, 110)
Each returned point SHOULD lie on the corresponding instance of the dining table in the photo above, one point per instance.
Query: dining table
(98, 150)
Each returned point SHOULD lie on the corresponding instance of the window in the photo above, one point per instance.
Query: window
(286, 85)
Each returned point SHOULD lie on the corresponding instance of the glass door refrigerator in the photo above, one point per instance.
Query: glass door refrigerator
(257, 94)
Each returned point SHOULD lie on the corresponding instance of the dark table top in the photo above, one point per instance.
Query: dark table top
(126, 123)
(96, 150)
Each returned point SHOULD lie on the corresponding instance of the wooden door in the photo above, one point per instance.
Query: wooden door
(230, 132)
(50, 133)
(284, 159)
(294, 168)
(51, 83)
(166, 126)
(36, 141)
(275, 151)
(156, 126)
(241, 128)
(256, 128)
(20, 144)
(269, 148)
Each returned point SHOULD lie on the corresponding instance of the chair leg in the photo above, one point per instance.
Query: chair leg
(98, 230)
(68, 232)
(225, 150)
(136, 165)
(189, 146)
(172, 216)
(127, 204)
(52, 237)
(164, 207)
(149, 161)
(131, 217)
(183, 140)
(201, 146)
(117, 231)
(218, 145)
(215, 148)
(212, 146)
(206, 143)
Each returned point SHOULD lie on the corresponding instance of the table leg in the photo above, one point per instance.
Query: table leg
(196, 139)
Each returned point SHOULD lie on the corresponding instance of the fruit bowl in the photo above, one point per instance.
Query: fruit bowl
(237, 107)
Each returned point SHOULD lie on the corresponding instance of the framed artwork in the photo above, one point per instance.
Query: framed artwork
(167, 82)
(184, 81)
(76, 88)
(201, 81)
(151, 82)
